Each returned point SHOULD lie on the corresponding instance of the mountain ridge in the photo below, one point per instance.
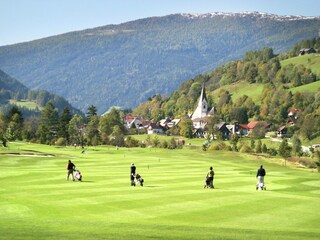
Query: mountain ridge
(125, 64)
(247, 13)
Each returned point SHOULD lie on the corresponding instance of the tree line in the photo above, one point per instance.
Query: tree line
(52, 127)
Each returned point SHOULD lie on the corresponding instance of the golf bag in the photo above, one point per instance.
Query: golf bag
(207, 182)
(77, 175)
(139, 179)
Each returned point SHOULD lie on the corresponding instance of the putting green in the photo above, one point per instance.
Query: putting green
(36, 202)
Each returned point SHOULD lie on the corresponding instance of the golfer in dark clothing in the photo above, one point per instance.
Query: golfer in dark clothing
(210, 175)
(260, 176)
(133, 168)
(70, 168)
(132, 174)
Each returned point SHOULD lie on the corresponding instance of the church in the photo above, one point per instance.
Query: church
(202, 112)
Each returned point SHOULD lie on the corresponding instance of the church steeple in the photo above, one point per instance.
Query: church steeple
(202, 108)
(203, 95)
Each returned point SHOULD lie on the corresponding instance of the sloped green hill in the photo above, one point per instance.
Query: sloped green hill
(125, 64)
(239, 89)
(311, 87)
(311, 61)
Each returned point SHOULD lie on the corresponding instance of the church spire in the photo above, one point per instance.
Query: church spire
(203, 95)
(202, 108)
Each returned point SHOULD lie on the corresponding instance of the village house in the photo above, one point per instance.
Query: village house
(133, 122)
(304, 51)
(281, 131)
(293, 115)
(222, 127)
(243, 129)
(155, 128)
(254, 124)
(234, 128)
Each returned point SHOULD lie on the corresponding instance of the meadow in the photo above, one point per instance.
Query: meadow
(36, 201)
(311, 61)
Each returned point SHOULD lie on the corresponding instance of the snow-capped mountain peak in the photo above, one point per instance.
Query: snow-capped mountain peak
(247, 14)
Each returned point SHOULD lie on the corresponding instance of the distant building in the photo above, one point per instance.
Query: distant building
(281, 131)
(234, 128)
(293, 115)
(304, 51)
(155, 128)
(133, 122)
(222, 127)
(252, 125)
(202, 111)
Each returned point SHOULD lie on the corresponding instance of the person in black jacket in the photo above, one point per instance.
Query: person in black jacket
(70, 168)
(132, 174)
(260, 176)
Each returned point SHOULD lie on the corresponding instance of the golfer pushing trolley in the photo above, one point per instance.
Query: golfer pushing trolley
(260, 177)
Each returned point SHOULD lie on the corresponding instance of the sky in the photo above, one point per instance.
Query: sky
(26, 20)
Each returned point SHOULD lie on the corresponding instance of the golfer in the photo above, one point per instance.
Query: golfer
(260, 176)
(210, 175)
(70, 168)
(132, 174)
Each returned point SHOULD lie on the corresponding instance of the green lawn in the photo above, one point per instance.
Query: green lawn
(36, 202)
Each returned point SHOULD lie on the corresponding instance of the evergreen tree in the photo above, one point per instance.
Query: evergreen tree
(15, 124)
(92, 111)
(47, 131)
(64, 124)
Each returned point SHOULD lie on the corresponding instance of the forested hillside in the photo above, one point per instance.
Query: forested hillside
(257, 87)
(12, 90)
(125, 64)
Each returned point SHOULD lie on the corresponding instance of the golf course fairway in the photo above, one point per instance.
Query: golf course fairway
(36, 201)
